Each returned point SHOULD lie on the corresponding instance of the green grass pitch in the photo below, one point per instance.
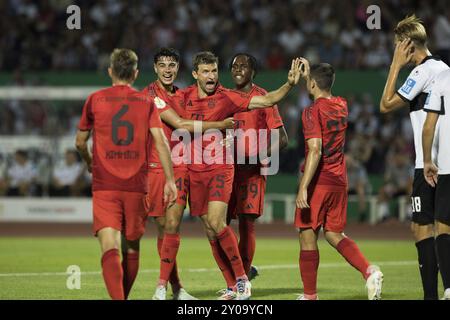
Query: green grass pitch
(35, 268)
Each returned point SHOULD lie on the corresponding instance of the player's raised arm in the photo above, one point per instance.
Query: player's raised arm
(390, 100)
(276, 96)
(82, 147)
(162, 146)
(173, 119)
(312, 161)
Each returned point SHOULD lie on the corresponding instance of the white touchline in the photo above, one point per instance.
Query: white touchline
(261, 267)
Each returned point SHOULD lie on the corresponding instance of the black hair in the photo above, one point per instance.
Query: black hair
(251, 60)
(323, 74)
(166, 52)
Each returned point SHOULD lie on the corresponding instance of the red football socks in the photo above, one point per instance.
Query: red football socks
(113, 274)
(174, 279)
(228, 241)
(223, 263)
(309, 264)
(169, 250)
(350, 251)
(247, 242)
(130, 266)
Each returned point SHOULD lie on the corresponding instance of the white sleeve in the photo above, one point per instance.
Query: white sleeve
(414, 85)
(435, 100)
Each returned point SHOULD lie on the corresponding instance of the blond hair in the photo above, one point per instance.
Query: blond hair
(411, 27)
(124, 63)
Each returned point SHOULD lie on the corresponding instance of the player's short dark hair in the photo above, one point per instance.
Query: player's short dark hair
(123, 63)
(204, 57)
(251, 60)
(166, 52)
(323, 74)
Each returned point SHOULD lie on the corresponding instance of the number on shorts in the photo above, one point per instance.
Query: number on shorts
(416, 204)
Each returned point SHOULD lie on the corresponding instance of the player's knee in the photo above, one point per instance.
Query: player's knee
(171, 226)
(421, 232)
(133, 246)
(217, 226)
(333, 238)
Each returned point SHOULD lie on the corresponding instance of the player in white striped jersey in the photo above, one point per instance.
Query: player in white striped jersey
(437, 107)
(411, 48)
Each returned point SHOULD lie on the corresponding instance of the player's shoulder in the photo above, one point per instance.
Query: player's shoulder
(150, 90)
(441, 81)
(257, 90)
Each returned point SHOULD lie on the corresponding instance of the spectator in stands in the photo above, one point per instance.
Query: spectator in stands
(3, 184)
(398, 179)
(21, 176)
(66, 176)
(358, 184)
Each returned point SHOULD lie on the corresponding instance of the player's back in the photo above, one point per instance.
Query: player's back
(120, 118)
(331, 114)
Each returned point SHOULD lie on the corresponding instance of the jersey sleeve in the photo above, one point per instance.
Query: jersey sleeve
(273, 118)
(435, 99)
(154, 120)
(311, 123)
(238, 101)
(160, 104)
(87, 118)
(414, 85)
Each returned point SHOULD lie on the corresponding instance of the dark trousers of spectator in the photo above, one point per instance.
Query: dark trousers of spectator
(59, 192)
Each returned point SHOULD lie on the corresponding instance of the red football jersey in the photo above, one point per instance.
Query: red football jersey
(256, 119)
(217, 107)
(327, 119)
(120, 118)
(163, 101)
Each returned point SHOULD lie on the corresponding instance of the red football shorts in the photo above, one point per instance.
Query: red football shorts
(120, 210)
(154, 201)
(249, 188)
(206, 186)
(328, 208)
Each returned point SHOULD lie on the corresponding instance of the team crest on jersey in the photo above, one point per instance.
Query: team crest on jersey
(211, 103)
(159, 103)
(408, 86)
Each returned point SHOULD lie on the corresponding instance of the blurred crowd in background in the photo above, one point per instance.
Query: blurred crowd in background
(273, 31)
(34, 36)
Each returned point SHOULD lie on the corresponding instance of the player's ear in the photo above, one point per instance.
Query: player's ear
(154, 68)
(110, 72)
(194, 74)
(136, 73)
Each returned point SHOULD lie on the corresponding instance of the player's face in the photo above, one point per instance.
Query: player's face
(166, 68)
(241, 71)
(207, 77)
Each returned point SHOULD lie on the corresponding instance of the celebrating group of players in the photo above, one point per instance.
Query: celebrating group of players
(155, 150)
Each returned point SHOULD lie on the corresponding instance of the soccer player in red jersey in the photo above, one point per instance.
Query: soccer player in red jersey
(211, 171)
(170, 107)
(322, 195)
(247, 199)
(121, 120)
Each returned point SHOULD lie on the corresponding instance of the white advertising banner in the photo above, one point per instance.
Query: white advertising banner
(45, 210)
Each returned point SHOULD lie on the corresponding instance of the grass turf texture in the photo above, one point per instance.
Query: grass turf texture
(35, 269)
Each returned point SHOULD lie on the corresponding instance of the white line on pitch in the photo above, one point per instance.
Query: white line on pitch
(266, 267)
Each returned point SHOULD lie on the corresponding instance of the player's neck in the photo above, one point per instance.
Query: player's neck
(202, 94)
(120, 83)
(247, 88)
(325, 95)
(421, 55)
(167, 88)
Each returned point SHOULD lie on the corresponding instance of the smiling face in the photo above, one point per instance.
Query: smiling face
(166, 68)
(207, 76)
(241, 71)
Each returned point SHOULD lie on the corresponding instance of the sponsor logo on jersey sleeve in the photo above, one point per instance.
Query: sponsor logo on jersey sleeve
(408, 86)
(159, 103)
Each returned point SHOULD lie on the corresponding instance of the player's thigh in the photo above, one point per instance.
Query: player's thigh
(443, 203)
(109, 238)
(422, 203)
(107, 210)
(422, 232)
(135, 215)
(220, 184)
(182, 183)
